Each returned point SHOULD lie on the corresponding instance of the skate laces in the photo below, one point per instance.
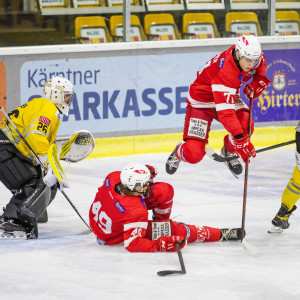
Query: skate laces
(229, 234)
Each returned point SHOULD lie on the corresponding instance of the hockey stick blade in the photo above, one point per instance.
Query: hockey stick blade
(214, 156)
(171, 272)
(252, 250)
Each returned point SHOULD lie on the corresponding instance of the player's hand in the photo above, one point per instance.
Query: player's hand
(50, 179)
(153, 171)
(244, 148)
(167, 243)
(256, 86)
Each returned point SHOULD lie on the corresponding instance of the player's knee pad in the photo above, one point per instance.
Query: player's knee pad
(194, 151)
(14, 171)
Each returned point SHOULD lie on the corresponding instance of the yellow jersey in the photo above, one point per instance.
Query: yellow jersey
(38, 121)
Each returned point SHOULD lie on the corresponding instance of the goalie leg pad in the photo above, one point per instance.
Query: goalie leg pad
(15, 171)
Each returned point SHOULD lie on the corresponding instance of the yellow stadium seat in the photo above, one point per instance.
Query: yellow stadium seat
(199, 26)
(136, 30)
(54, 3)
(287, 23)
(242, 23)
(88, 3)
(161, 27)
(92, 30)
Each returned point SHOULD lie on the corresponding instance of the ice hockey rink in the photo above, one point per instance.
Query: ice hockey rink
(67, 263)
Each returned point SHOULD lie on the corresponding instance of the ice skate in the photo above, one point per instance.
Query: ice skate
(10, 230)
(233, 165)
(281, 220)
(172, 163)
(231, 234)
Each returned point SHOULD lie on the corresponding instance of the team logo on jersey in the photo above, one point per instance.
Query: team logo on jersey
(119, 206)
(279, 81)
(107, 183)
(221, 62)
(44, 120)
(143, 202)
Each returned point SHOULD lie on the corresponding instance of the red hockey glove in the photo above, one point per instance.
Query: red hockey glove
(256, 86)
(167, 243)
(152, 170)
(244, 148)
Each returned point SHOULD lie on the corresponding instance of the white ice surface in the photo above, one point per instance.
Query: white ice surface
(67, 263)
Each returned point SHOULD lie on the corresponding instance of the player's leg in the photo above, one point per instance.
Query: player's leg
(191, 233)
(30, 195)
(228, 149)
(196, 132)
(205, 233)
(160, 200)
(289, 198)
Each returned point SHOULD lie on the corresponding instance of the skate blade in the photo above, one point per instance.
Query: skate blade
(275, 230)
(236, 176)
(16, 235)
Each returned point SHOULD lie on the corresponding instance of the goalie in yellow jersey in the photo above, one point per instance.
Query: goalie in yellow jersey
(38, 121)
(290, 195)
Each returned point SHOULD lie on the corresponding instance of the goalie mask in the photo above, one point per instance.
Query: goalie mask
(249, 47)
(59, 91)
(136, 177)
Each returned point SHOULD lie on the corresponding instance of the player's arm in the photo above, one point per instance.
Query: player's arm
(135, 238)
(224, 91)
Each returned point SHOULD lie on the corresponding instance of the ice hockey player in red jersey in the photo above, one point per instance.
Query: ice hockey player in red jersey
(119, 214)
(215, 95)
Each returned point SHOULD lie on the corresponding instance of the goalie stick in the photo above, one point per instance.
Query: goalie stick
(213, 155)
(175, 272)
(42, 166)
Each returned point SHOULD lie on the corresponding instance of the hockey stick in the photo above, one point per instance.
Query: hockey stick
(42, 166)
(250, 248)
(213, 155)
(174, 272)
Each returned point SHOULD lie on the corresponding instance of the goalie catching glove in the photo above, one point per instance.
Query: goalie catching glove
(76, 147)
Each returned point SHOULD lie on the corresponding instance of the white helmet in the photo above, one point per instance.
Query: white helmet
(134, 176)
(59, 91)
(249, 47)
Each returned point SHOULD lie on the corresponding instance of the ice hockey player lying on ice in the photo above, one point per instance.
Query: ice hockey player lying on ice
(119, 214)
(38, 121)
(290, 195)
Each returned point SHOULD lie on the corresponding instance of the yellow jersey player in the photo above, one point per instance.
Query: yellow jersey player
(290, 195)
(38, 121)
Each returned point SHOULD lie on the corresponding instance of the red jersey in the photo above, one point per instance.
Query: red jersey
(217, 86)
(116, 218)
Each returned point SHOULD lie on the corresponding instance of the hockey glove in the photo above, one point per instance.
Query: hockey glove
(152, 170)
(244, 148)
(256, 86)
(50, 180)
(167, 243)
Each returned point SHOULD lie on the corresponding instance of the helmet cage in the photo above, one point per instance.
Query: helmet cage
(60, 92)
